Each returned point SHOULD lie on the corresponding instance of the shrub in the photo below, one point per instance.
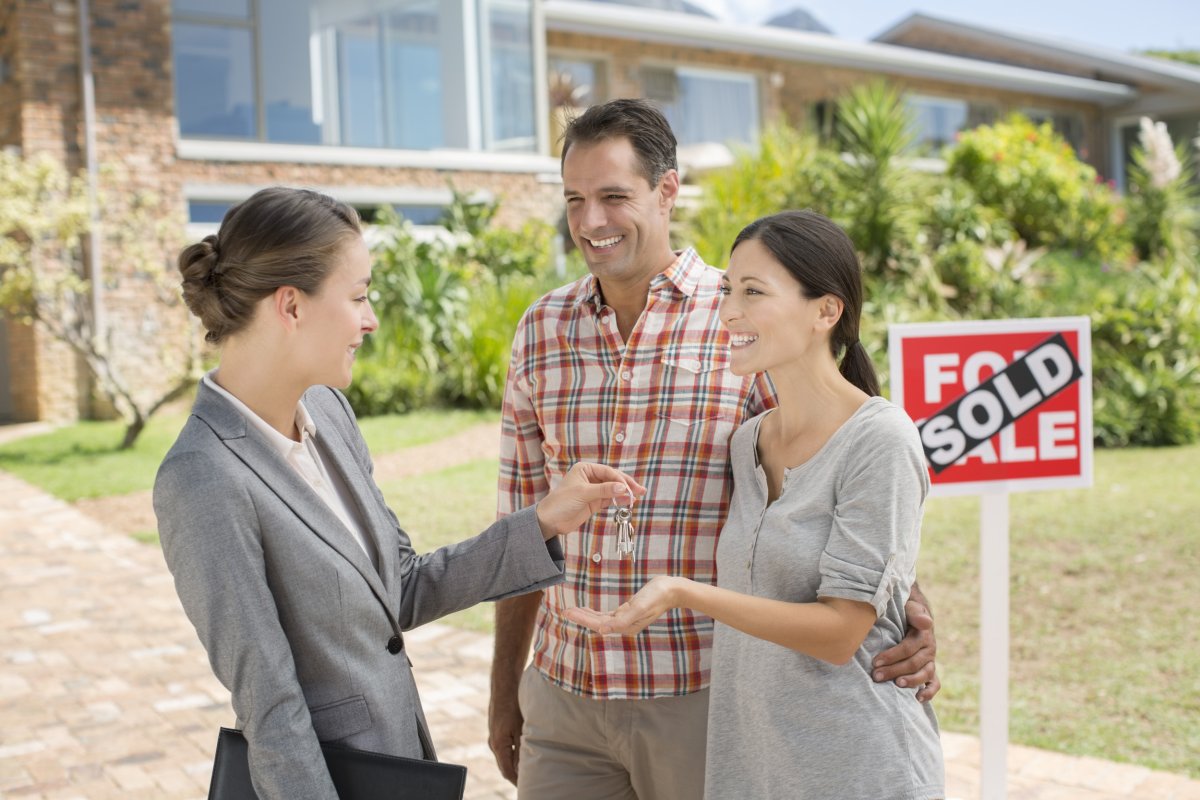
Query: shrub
(1162, 198)
(878, 196)
(1032, 177)
(1145, 338)
(788, 169)
(448, 305)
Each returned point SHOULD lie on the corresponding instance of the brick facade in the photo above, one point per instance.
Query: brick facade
(135, 133)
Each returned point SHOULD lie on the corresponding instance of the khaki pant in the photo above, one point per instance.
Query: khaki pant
(577, 748)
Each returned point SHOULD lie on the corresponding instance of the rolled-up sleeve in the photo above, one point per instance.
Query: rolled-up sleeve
(875, 537)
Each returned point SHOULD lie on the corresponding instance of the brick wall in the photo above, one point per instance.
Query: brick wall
(135, 140)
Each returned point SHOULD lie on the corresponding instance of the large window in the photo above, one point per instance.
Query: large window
(576, 82)
(705, 105)
(937, 120)
(1066, 124)
(408, 74)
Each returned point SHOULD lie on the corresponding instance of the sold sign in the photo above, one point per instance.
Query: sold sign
(995, 404)
(998, 402)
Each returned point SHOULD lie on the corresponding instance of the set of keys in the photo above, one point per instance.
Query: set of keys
(625, 532)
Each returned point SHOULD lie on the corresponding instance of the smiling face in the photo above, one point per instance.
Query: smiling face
(617, 219)
(771, 323)
(337, 317)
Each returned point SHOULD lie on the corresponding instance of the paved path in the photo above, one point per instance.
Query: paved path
(105, 691)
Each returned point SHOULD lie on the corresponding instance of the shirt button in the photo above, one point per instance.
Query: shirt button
(626, 375)
(620, 437)
(596, 557)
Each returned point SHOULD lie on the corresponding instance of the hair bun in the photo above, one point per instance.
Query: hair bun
(199, 266)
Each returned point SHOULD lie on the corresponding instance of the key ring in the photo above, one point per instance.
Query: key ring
(624, 515)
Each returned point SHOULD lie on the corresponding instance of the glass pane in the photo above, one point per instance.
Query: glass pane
(214, 93)
(287, 73)
(509, 81)
(575, 83)
(711, 108)
(207, 210)
(236, 9)
(360, 82)
(936, 121)
(414, 77)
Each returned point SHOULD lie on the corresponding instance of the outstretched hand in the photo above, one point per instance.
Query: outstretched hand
(583, 491)
(653, 600)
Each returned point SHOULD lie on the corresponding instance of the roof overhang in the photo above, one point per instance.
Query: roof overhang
(663, 27)
(1122, 66)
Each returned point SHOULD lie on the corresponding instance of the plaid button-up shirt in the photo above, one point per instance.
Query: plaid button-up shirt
(661, 407)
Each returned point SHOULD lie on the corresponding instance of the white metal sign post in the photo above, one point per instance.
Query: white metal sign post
(1001, 406)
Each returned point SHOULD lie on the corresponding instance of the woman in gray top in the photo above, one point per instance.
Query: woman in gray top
(818, 554)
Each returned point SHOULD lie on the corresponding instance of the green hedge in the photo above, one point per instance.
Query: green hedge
(448, 304)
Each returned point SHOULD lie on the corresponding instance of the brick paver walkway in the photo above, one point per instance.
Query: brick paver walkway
(105, 691)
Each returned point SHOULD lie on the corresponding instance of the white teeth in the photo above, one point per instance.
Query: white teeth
(741, 340)
(609, 242)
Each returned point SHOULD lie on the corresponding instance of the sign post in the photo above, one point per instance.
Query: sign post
(1001, 406)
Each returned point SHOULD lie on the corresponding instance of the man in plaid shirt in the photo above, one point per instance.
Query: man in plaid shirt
(628, 367)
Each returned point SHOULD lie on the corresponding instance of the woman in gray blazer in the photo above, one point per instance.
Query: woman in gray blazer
(294, 571)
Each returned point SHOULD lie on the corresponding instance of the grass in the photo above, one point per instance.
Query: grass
(392, 432)
(82, 460)
(1105, 658)
(442, 507)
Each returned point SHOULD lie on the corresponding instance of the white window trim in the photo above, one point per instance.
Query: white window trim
(353, 195)
(456, 160)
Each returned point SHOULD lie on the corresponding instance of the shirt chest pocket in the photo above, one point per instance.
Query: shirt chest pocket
(697, 386)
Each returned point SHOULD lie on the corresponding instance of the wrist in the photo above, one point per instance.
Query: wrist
(680, 592)
(547, 531)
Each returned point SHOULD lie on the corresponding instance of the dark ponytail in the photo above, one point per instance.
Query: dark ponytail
(821, 257)
(858, 368)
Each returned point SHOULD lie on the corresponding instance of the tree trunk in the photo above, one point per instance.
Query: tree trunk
(132, 431)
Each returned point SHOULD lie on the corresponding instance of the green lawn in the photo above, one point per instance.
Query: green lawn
(447, 506)
(82, 460)
(1105, 657)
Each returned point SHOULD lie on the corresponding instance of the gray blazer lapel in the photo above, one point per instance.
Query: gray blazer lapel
(248, 445)
(361, 486)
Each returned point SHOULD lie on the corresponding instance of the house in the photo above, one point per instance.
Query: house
(197, 103)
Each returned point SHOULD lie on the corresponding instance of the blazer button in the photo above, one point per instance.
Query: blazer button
(395, 644)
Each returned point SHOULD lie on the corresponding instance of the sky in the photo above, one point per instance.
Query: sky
(1125, 26)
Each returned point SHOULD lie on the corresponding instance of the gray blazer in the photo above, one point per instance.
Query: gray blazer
(298, 624)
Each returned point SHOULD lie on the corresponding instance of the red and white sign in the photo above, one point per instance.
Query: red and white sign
(1002, 405)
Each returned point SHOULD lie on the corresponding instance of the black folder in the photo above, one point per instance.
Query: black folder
(357, 774)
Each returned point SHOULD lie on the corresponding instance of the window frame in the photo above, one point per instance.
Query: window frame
(474, 108)
(750, 77)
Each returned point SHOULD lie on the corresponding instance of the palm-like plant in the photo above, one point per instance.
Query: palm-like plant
(881, 208)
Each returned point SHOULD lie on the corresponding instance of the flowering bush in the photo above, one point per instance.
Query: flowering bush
(1162, 196)
(1033, 177)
